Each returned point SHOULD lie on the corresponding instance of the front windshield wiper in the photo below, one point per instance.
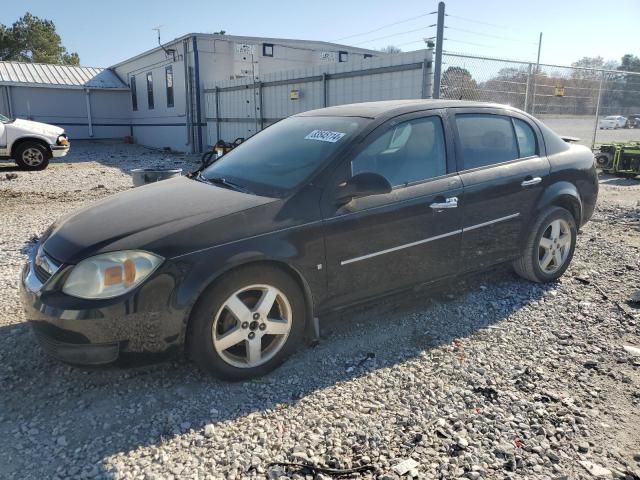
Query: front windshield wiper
(222, 181)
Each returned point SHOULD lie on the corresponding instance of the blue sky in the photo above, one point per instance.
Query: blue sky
(106, 32)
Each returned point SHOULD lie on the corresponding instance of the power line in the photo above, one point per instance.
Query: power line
(479, 22)
(393, 35)
(409, 43)
(384, 26)
(471, 43)
(491, 36)
(450, 40)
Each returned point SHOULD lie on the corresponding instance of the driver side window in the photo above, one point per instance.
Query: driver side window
(410, 152)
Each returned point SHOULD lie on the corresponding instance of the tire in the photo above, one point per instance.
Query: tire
(32, 156)
(213, 318)
(530, 265)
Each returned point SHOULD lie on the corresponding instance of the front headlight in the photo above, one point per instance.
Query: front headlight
(63, 140)
(110, 274)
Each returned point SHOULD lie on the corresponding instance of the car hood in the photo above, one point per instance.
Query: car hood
(29, 126)
(169, 218)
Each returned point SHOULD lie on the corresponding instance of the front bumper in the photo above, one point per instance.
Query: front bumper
(93, 332)
(59, 150)
(75, 353)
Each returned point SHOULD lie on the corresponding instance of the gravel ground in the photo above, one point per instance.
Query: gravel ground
(487, 377)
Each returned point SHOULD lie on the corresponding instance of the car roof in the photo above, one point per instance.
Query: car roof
(391, 108)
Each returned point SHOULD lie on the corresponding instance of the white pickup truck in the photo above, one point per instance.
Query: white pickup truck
(31, 144)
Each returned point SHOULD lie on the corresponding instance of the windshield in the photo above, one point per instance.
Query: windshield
(4, 119)
(281, 157)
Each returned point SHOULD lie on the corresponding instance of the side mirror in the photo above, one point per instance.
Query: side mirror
(362, 185)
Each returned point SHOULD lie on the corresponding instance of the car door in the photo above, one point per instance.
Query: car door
(384, 242)
(504, 170)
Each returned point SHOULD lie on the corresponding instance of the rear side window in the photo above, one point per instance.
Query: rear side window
(552, 142)
(410, 152)
(486, 139)
(526, 138)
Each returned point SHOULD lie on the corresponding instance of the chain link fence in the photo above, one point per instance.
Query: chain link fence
(572, 101)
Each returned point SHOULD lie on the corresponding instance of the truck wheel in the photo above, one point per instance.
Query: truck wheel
(549, 249)
(247, 323)
(32, 156)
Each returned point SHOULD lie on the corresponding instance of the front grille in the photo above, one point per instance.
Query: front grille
(44, 266)
(41, 274)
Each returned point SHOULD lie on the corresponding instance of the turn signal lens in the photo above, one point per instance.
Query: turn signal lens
(111, 274)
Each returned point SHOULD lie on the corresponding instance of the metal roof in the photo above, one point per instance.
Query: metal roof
(57, 76)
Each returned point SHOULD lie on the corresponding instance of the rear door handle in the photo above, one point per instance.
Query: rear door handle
(450, 202)
(531, 181)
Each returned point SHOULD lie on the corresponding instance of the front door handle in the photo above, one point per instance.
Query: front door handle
(450, 202)
(531, 181)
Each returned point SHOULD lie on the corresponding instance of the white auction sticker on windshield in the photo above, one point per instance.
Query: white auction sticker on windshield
(325, 136)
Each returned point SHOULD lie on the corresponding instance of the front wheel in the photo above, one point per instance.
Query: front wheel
(247, 323)
(32, 156)
(549, 249)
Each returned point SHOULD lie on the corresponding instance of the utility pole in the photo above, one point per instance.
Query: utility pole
(437, 68)
(535, 73)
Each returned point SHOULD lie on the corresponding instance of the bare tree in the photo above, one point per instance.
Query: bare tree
(457, 83)
(391, 49)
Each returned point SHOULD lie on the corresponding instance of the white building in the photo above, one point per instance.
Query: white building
(157, 96)
(87, 102)
(167, 83)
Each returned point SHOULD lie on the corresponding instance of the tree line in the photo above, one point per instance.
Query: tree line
(557, 90)
(34, 39)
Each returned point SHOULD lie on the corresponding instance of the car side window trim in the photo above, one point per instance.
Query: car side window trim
(418, 182)
(515, 135)
(500, 164)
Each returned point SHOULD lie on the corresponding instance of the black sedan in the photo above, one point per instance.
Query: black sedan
(235, 263)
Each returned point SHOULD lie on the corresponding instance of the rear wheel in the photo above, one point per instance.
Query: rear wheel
(32, 156)
(247, 323)
(549, 249)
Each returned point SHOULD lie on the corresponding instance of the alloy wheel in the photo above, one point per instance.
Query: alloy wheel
(252, 326)
(554, 246)
(32, 157)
